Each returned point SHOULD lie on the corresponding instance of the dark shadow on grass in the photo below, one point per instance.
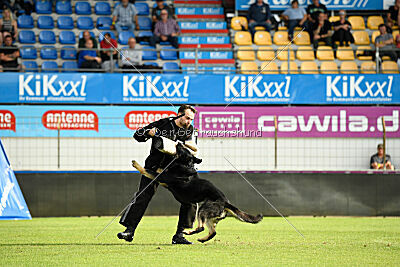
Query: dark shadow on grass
(80, 244)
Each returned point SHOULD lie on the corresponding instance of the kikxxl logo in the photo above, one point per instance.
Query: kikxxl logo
(139, 118)
(70, 120)
(7, 120)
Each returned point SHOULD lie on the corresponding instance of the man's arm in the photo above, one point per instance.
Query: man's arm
(145, 133)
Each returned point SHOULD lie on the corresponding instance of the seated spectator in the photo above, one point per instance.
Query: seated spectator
(125, 15)
(397, 37)
(132, 59)
(9, 55)
(166, 29)
(108, 43)
(86, 36)
(342, 29)
(313, 11)
(8, 26)
(88, 59)
(156, 13)
(393, 16)
(5, 4)
(26, 6)
(259, 14)
(377, 160)
(295, 16)
(385, 44)
(322, 31)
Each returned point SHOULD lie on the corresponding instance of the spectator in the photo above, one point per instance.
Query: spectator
(165, 30)
(295, 16)
(377, 160)
(321, 31)
(132, 59)
(342, 29)
(259, 14)
(156, 13)
(384, 42)
(86, 36)
(398, 45)
(125, 15)
(88, 59)
(393, 17)
(8, 26)
(9, 55)
(111, 45)
(23, 5)
(313, 11)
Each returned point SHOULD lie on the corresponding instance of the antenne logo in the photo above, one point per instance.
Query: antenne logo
(139, 118)
(221, 121)
(70, 120)
(7, 120)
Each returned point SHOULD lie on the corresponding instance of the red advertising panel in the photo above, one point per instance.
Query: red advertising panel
(140, 118)
(70, 120)
(7, 120)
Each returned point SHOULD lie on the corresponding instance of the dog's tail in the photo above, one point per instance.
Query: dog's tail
(241, 215)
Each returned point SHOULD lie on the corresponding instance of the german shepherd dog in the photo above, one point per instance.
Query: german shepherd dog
(212, 205)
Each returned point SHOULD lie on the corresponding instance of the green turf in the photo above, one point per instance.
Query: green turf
(328, 241)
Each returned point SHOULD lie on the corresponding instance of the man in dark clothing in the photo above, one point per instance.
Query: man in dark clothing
(177, 129)
(259, 14)
(321, 31)
(393, 17)
(9, 55)
(313, 11)
(86, 36)
(156, 13)
(377, 160)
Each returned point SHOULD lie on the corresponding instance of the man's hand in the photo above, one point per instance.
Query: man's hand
(152, 132)
(164, 38)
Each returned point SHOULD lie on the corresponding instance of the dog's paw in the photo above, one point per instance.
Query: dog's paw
(201, 240)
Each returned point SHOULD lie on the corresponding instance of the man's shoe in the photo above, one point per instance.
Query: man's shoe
(127, 235)
(179, 239)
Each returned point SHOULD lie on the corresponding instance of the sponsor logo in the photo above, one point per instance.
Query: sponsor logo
(190, 40)
(217, 40)
(186, 10)
(70, 120)
(189, 25)
(336, 4)
(215, 25)
(211, 11)
(221, 121)
(36, 87)
(138, 119)
(7, 120)
(220, 55)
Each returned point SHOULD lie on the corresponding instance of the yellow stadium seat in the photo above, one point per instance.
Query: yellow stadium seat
(249, 68)
(349, 67)
(374, 35)
(368, 67)
(360, 50)
(374, 21)
(269, 68)
(345, 53)
(282, 28)
(357, 22)
(246, 53)
(281, 38)
(305, 53)
(333, 19)
(262, 38)
(325, 53)
(265, 53)
(389, 67)
(395, 33)
(237, 22)
(329, 67)
(309, 67)
(302, 38)
(283, 55)
(294, 69)
(259, 28)
(243, 38)
(361, 38)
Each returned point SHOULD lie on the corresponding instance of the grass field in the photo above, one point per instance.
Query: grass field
(328, 241)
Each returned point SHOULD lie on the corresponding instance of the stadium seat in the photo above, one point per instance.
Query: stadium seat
(151, 64)
(142, 9)
(360, 50)
(262, 38)
(361, 38)
(333, 19)
(374, 21)
(395, 33)
(309, 67)
(305, 53)
(49, 66)
(144, 34)
(84, 23)
(63, 7)
(249, 68)
(65, 23)
(67, 37)
(149, 53)
(357, 22)
(145, 23)
(246, 53)
(281, 38)
(265, 53)
(25, 22)
(26, 37)
(171, 67)
(283, 54)
(28, 52)
(48, 52)
(390, 67)
(349, 67)
(243, 38)
(45, 22)
(47, 37)
(104, 23)
(325, 53)
(302, 38)
(68, 53)
(269, 68)
(238, 22)
(83, 8)
(101, 35)
(368, 67)
(30, 65)
(43, 7)
(123, 37)
(259, 28)
(69, 66)
(374, 35)
(345, 53)
(102, 8)
(168, 54)
(294, 69)
(329, 67)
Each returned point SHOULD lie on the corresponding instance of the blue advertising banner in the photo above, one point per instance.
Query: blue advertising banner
(330, 4)
(88, 88)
